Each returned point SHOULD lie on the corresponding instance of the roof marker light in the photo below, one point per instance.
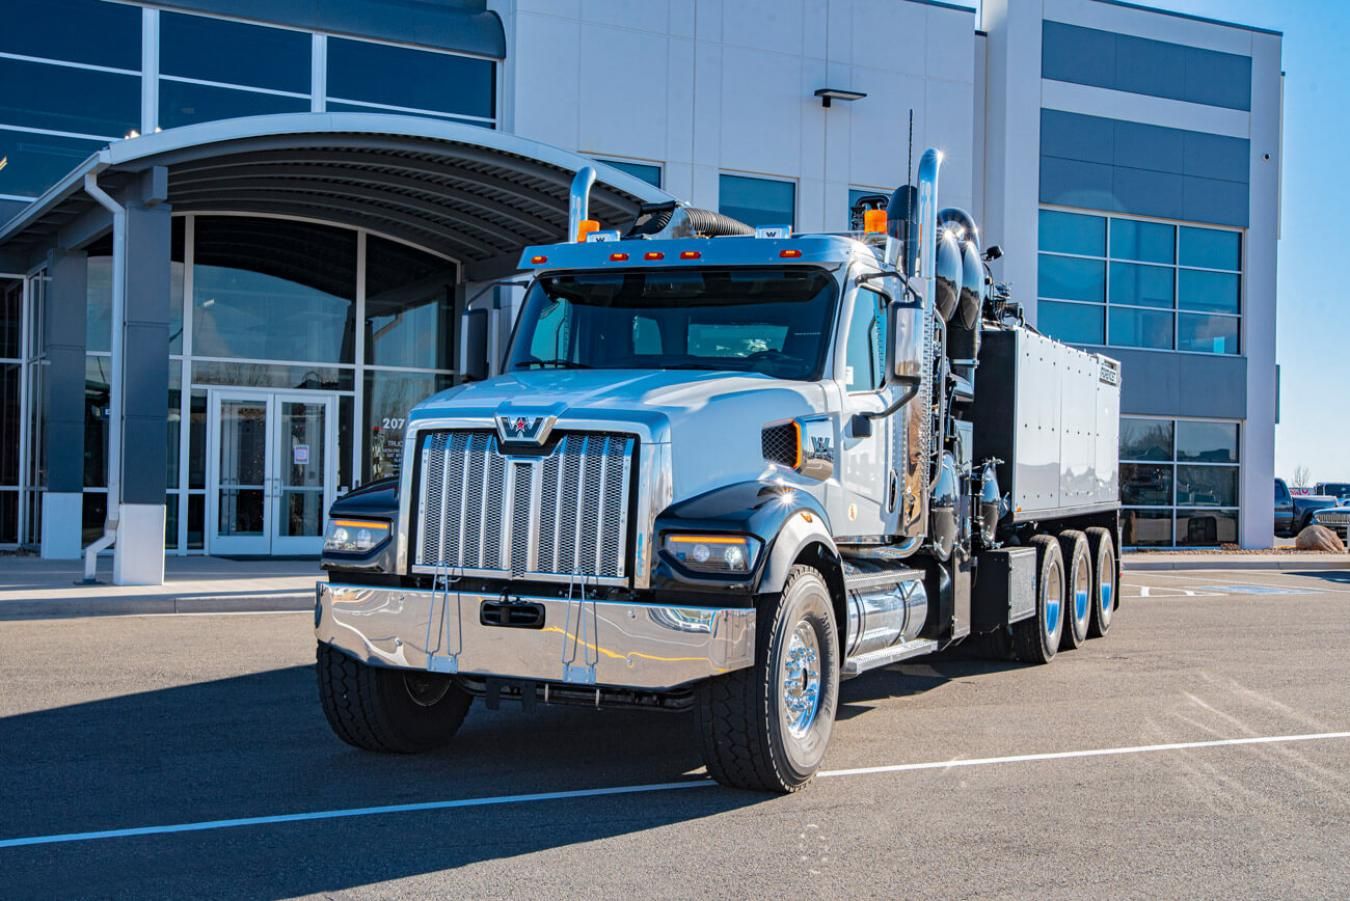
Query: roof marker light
(790, 254)
(653, 255)
(691, 255)
(538, 258)
(618, 257)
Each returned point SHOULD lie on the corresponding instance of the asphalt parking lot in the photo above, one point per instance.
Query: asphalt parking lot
(1203, 748)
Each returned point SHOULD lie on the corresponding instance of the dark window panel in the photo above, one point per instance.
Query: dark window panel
(1216, 156)
(196, 522)
(98, 302)
(335, 106)
(1147, 193)
(1080, 55)
(1207, 528)
(1072, 233)
(196, 437)
(1147, 286)
(1213, 200)
(274, 289)
(1076, 323)
(97, 372)
(1155, 68)
(1145, 439)
(1140, 328)
(79, 31)
(34, 162)
(1146, 528)
(181, 103)
(1154, 147)
(1076, 183)
(95, 513)
(1146, 484)
(1073, 136)
(1218, 79)
(9, 517)
(1068, 278)
(272, 375)
(1207, 486)
(1211, 248)
(758, 201)
(1211, 292)
(1208, 334)
(645, 171)
(234, 52)
(171, 521)
(1147, 242)
(9, 423)
(379, 73)
(39, 95)
(389, 397)
(11, 316)
(410, 307)
(1207, 442)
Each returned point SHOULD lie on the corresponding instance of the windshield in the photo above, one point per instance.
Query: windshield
(772, 321)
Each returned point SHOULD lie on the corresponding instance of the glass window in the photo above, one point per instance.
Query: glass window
(175, 423)
(272, 375)
(855, 223)
(1073, 233)
(1211, 248)
(1131, 327)
(233, 52)
(171, 520)
(196, 437)
(9, 423)
(757, 201)
(1212, 292)
(98, 298)
(1148, 286)
(1146, 484)
(1207, 442)
(1077, 323)
(9, 517)
(181, 103)
(397, 76)
(97, 375)
(389, 397)
(1146, 528)
(864, 358)
(1208, 486)
(1068, 278)
(410, 307)
(78, 31)
(62, 98)
(31, 163)
(273, 289)
(1207, 528)
(11, 317)
(1145, 439)
(94, 514)
(1148, 242)
(648, 172)
(1208, 334)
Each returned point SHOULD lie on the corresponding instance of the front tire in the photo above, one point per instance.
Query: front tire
(1036, 639)
(766, 728)
(388, 710)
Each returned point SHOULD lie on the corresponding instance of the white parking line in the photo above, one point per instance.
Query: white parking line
(208, 825)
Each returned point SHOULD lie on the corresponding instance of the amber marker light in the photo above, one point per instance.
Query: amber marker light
(690, 255)
(538, 259)
(789, 254)
(653, 255)
(874, 222)
(618, 258)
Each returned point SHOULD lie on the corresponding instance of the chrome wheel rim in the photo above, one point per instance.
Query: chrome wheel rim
(1108, 589)
(424, 690)
(1054, 598)
(801, 680)
(1082, 591)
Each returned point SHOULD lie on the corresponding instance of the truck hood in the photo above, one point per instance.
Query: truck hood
(711, 419)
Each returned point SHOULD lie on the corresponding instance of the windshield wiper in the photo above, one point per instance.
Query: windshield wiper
(560, 364)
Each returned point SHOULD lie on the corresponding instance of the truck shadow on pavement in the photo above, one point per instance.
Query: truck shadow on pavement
(258, 745)
(913, 677)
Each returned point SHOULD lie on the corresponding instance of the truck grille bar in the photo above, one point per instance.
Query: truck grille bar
(484, 511)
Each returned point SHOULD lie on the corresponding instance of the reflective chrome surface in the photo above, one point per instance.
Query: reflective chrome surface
(579, 200)
(801, 679)
(582, 641)
(817, 436)
(883, 612)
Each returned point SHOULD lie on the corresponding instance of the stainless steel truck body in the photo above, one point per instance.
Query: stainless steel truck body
(723, 469)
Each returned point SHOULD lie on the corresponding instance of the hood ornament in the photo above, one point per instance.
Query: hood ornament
(524, 428)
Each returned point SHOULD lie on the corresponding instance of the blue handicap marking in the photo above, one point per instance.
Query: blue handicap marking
(1249, 589)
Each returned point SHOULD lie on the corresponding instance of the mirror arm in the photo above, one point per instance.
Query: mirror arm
(864, 419)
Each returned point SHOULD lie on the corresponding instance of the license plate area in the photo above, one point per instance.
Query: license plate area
(511, 614)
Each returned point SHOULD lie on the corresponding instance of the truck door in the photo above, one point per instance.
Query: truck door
(865, 458)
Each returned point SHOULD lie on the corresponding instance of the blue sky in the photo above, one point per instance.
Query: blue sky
(1313, 338)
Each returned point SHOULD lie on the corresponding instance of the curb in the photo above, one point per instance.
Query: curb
(14, 611)
(1135, 566)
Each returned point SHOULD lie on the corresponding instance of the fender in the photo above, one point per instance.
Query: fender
(784, 520)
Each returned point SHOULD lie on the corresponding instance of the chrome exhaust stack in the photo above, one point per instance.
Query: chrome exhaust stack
(579, 202)
(929, 167)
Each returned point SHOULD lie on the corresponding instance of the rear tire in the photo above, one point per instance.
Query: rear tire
(1102, 545)
(766, 728)
(389, 710)
(1073, 546)
(1036, 639)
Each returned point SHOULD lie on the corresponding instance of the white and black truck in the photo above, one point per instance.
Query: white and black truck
(722, 470)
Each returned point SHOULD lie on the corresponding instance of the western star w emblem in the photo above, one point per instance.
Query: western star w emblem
(515, 428)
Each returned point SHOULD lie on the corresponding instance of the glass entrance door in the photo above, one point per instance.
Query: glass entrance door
(271, 471)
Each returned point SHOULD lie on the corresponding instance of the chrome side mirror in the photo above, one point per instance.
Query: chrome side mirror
(907, 340)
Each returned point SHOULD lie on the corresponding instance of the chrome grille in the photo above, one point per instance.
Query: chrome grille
(483, 510)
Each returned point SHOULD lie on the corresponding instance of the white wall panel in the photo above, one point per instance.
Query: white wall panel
(772, 25)
(547, 99)
(762, 107)
(623, 92)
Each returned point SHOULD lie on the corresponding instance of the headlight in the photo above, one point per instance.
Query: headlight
(354, 536)
(718, 554)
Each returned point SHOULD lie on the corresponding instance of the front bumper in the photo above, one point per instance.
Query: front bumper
(621, 645)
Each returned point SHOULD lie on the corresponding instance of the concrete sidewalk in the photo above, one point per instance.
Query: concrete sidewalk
(1156, 561)
(31, 588)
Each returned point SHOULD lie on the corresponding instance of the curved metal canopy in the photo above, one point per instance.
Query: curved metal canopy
(472, 194)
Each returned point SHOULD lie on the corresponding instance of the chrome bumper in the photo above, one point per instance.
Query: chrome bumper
(580, 642)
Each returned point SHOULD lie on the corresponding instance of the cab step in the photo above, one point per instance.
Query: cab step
(884, 656)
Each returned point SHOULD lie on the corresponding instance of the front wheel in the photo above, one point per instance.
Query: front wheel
(766, 728)
(395, 711)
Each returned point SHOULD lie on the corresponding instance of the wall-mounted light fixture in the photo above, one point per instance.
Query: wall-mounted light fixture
(827, 95)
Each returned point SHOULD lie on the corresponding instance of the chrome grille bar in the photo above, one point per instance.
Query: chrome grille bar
(486, 511)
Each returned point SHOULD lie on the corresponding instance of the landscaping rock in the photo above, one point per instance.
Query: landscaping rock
(1319, 538)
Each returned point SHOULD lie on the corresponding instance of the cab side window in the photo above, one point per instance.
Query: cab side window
(864, 351)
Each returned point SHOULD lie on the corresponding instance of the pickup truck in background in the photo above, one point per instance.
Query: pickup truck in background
(1294, 513)
(1338, 490)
